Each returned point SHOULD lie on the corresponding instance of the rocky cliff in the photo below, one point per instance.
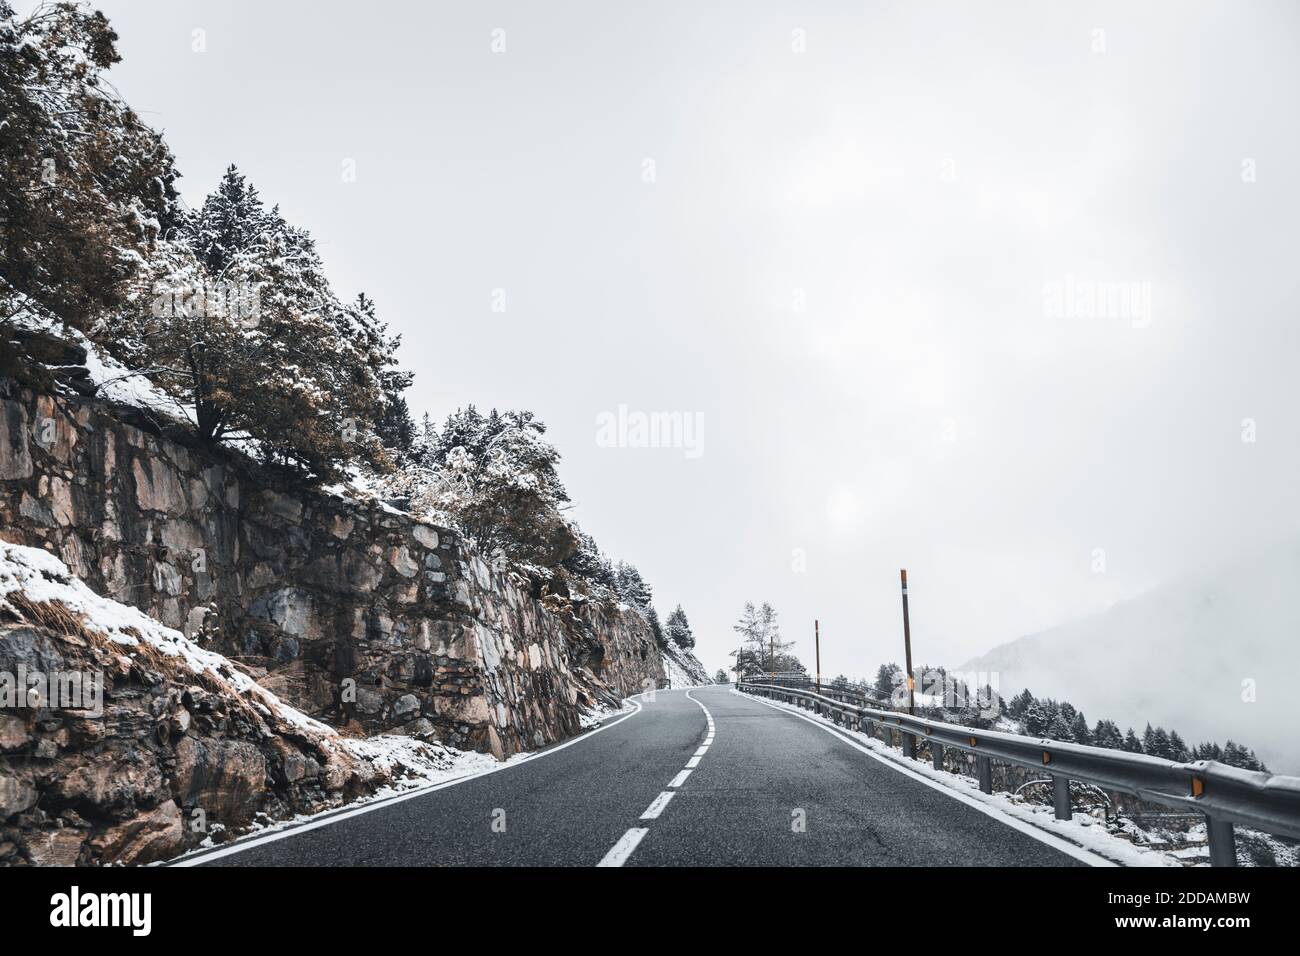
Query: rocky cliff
(350, 611)
(123, 742)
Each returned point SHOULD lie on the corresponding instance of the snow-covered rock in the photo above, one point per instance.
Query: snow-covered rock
(128, 743)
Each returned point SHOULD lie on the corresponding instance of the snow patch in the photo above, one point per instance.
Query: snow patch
(1082, 830)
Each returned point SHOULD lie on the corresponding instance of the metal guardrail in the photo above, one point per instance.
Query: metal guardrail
(1227, 796)
(802, 681)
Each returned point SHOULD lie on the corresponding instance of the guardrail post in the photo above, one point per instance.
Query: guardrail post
(936, 749)
(1061, 796)
(1223, 842)
(909, 745)
(984, 770)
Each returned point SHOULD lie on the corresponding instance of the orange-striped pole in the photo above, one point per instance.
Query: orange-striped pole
(817, 637)
(907, 644)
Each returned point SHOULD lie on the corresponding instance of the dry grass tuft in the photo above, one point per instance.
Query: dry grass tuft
(53, 615)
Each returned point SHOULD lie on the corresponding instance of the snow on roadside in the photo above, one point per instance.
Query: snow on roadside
(412, 764)
(1083, 830)
(407, 763)
(590, 719)
(42, 578)
(678, 672)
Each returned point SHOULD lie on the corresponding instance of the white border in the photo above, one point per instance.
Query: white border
(1028, 829)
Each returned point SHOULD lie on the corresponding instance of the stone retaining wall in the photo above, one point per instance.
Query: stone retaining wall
(356, 612)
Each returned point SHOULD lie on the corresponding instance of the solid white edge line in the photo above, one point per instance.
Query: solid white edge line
(621, 850)
(680, 779)
(657, 805)
(195, 858)
(1051, 839)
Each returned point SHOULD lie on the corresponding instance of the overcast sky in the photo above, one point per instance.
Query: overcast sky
(846, 261)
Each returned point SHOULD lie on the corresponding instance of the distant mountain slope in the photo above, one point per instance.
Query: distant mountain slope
(1178, 656)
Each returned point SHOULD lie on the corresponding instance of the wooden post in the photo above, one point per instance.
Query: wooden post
(909, 742)
(817, 637)
(907, 647)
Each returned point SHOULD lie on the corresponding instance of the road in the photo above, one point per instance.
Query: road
(765, 787)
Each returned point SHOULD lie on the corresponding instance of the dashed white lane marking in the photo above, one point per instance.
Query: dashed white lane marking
(657, 805)
(621, 850)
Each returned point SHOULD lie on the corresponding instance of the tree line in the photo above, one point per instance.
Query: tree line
(762, 650)
(1056, 720)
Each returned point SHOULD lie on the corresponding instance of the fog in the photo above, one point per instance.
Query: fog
(1004, 294)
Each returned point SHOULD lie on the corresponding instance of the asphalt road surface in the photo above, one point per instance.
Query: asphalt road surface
(707, 777)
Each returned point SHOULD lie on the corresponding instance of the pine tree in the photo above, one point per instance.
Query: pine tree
(1079, 731)
(1107, 734)
(1236, 755)
(1160, 746)
(656, 629)
(1208, 751)
(230, 225)
(425, 442)
(587, 562)
(394, 426)
(86, 188)
(1131, 742)
(1059, 729)
(632, 587)
(1020, 704)
(260, 348)
(679, 629)
(495, 478)
(1177, 749)
(1038, 717)
(888, 677)
(721, 677)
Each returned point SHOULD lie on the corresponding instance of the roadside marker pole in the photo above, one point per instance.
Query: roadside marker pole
(909, 742)
(817, 638)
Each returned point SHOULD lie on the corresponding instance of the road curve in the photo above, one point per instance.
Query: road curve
(764, 787)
